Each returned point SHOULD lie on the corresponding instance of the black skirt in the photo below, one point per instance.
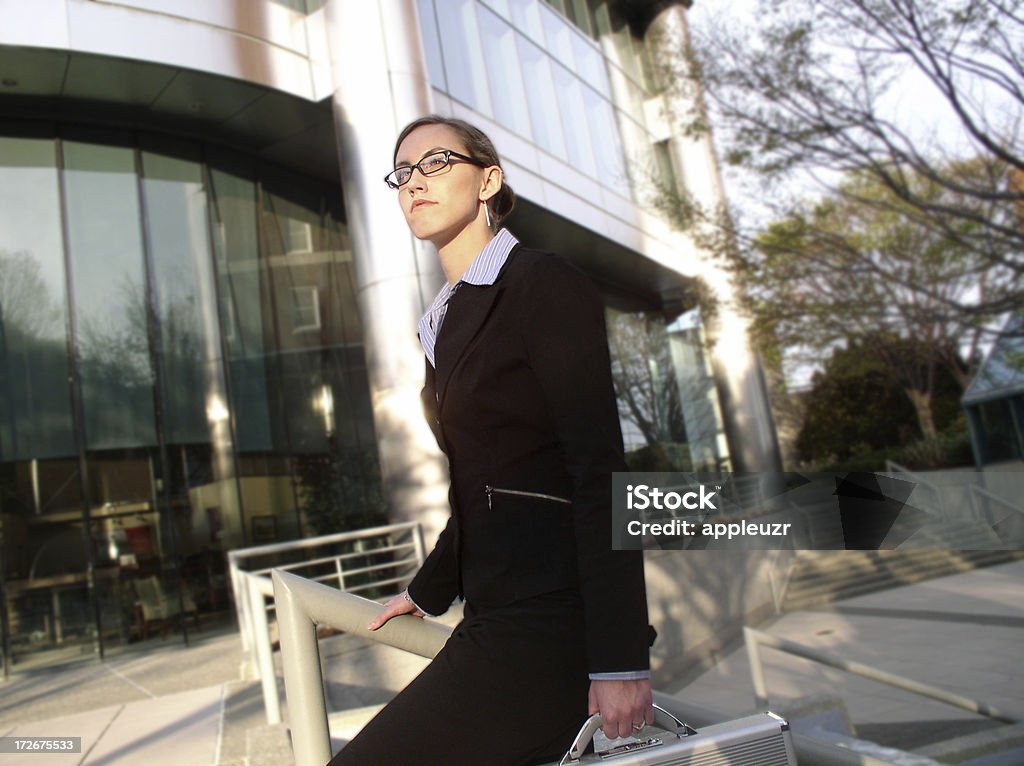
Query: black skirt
(509, 687)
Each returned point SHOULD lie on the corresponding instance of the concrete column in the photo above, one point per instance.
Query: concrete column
(380, 85)
(739, 377)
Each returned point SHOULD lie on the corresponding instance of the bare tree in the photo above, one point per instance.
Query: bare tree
(804, 93)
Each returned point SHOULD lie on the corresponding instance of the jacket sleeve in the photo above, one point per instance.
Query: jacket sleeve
(436, 585)
(567, 344)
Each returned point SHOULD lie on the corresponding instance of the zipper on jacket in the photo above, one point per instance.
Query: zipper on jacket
(520, 493)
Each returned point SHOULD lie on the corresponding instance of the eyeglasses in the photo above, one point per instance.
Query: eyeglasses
(430, 165)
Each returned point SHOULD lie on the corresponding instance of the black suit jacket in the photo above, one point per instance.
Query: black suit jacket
(521, 401)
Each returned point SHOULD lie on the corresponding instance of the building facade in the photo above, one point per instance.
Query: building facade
(208, 296)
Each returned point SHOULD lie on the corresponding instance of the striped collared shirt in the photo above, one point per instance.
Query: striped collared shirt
(483, 271)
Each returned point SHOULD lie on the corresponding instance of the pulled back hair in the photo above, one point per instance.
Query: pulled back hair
(479, 147)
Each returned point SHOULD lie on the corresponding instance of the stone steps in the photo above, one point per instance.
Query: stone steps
(824, 577)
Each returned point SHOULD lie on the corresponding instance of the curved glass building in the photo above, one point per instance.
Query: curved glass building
(208, 297)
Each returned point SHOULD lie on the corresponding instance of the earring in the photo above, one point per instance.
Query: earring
(487, 214)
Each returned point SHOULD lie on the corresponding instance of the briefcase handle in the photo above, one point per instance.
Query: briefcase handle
(662, 718)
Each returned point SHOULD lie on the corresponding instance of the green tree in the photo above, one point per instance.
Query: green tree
(856, 266)
(855, 405)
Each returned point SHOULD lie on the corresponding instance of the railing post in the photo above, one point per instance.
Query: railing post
(756, 668)
(241, 602)
(417, 538)
(256, 588)
(307, 711)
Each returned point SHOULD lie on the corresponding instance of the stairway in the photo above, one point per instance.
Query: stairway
(824, 577)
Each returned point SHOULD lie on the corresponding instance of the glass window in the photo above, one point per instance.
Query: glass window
(463, 57)
(668, 405)
(558, 37)
(541, 99)
(305, 309)
(105, 242)
(35, 404)
(498, 6)
(611, 168)
(526, 16)
(575, 120)
(578, 12)
(666, 169)
(510, 107)
(590, 64)
(432, 44)
(185, 295)
(999, 437)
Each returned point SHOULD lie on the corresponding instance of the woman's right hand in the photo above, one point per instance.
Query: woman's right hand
(400, 604)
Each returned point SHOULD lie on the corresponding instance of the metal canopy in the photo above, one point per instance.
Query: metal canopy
(61, 85)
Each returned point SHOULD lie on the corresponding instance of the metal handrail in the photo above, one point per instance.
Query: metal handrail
(755, 639)
(238, 558)
(303, 604)
(891, 466)
(252, 588)
(974, 488)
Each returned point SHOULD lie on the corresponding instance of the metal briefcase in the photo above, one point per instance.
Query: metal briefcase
(757, 740)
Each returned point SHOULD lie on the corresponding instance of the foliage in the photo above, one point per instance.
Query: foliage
(340, 490)
(856, 411)
(806, 100)
(810, 91)
(27, 307)
(643, 374)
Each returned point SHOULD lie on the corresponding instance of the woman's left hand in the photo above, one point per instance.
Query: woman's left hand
(625, 706)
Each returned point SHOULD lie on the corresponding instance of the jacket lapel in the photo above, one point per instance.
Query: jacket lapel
(467, 313)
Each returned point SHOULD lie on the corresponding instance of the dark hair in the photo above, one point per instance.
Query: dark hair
(479, 147)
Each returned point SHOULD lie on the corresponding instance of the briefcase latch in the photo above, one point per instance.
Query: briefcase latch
(631, 747)
(662, 718)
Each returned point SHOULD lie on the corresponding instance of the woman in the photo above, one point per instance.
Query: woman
(519, 395)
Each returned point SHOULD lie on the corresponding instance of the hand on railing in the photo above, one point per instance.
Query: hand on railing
(400, 604)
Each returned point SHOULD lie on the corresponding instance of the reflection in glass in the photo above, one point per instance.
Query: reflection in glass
(498, 6)
(668, 405)
(184, 300)
(105, 243)
(574, 120)
(230, 257)
(196, 471)
(608, 149)
(35, 408)
(541, 99)
(431, 44)
(557, 37)
(590, 64)
(43, 558)
(463, 57)
(999, 429)
(505, 74)
(525, 14)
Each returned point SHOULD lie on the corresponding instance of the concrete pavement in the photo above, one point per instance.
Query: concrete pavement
(173, 705)
(963, 633)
